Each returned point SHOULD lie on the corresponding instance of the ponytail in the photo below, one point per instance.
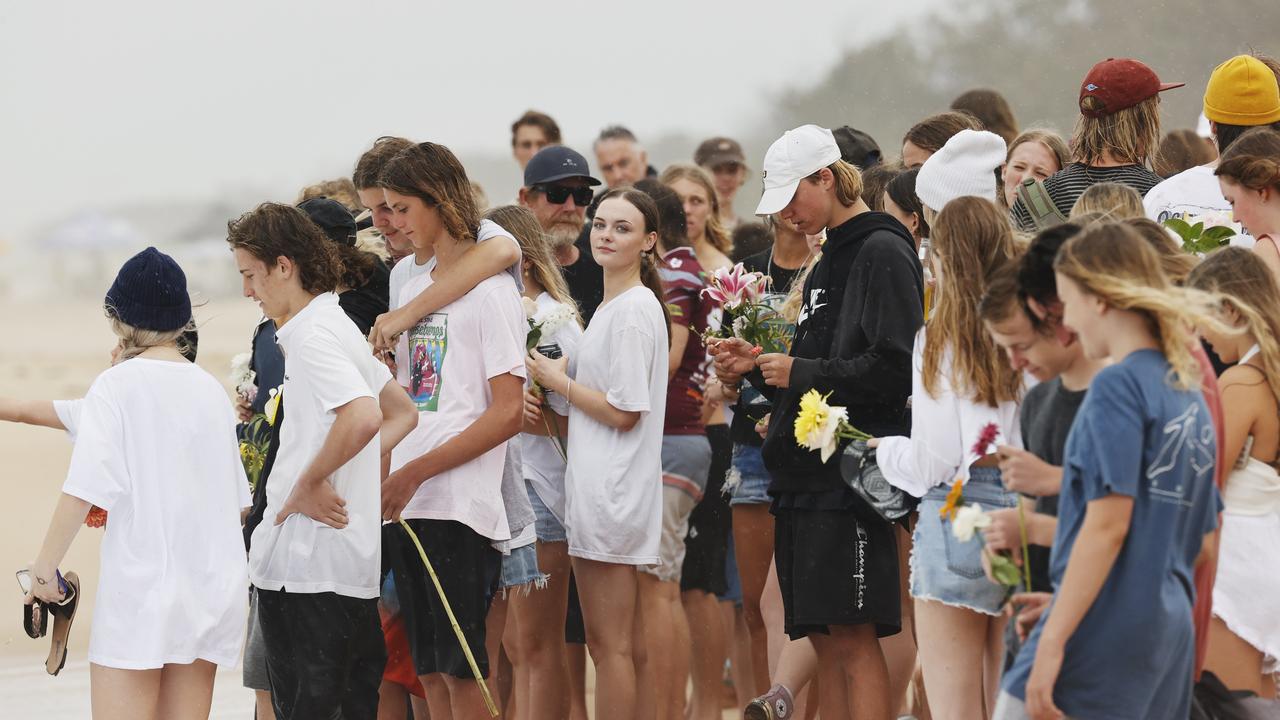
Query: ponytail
(135, 341)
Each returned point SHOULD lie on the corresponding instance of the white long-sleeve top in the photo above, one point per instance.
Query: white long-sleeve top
(943, 431)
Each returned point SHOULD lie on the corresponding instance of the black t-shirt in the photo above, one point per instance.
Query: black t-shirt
(1048, 410)
(365, 303)
(752, 406)
(1068, 184)
(585, 278)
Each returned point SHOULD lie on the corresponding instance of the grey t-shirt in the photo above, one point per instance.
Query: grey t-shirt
(1048, 410)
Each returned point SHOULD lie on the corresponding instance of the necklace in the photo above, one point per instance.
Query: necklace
(803, 265)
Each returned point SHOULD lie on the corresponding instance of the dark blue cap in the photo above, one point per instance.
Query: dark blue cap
(333, 218)
(150, 293)
(557, 162)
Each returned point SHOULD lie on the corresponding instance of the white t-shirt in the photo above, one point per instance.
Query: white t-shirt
(327, 364)
(943, 432)
(408, 267)
(613, 485)
(543, 465)
(1189, 194)
(450, 358)
(155, 446)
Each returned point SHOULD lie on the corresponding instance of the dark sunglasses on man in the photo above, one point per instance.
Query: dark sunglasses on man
(557, 194)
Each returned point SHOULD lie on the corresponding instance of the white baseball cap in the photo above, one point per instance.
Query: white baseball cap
(791, 158)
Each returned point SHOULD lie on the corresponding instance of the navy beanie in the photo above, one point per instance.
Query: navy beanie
(150, 293)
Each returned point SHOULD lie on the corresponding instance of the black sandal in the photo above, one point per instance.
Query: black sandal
(35, 619)
(64, 613)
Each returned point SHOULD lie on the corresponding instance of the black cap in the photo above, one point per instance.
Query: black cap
(557, 162)
(333, 218)
(857, 147)
(150, 292)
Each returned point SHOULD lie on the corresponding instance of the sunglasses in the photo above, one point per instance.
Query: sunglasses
(557, 194)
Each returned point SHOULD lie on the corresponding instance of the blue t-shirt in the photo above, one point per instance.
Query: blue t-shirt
(1136, 435)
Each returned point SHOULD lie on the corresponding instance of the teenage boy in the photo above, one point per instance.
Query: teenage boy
(1242, 93)
(1117, 132)
(1042, 347)
(365, 177)
(531, 132)
(316, 559)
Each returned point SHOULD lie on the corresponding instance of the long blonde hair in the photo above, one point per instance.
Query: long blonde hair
(1112, 200)
(715, 232)
(535, 247)
(1113, 263)
(1247, 286)
(134, 340)
(1132, 135)
(972, 238)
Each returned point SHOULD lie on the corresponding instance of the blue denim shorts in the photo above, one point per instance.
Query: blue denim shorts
(947, 570)
(545, 523)
(520, 568)
(747, 477)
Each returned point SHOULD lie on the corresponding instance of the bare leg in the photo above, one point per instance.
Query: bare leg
(494, 625)
(393, 702)
(123, 694)
(465, 699)
(679, 651)
(753, 544)
(1236, 663)
(993, 661)
(707, 631)
(655, 669)
(437, 696)
(863, 679)
(608, 593)
(186, 691)
(540, 621)
(740, 649)
(576, 660)
(952, 653)
(900, 650)
(262, 705)
(791, 662)
(516, 706)
(419, 705)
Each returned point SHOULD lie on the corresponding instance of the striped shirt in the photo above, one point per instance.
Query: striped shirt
(1067, 185)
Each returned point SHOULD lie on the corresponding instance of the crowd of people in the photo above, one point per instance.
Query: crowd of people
(486, 444)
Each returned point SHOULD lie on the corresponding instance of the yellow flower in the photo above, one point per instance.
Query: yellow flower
(812, 417)
(955, 498)
(272, 407)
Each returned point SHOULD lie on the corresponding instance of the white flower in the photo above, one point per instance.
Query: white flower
(530, 307)
(828, 437)
(242, 378)
(739, 326)
(969, 519)
(556, 318)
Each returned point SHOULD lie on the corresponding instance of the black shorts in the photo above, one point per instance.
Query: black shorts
(325, 654)
(468, 568)
(706, 547)
(836, 567)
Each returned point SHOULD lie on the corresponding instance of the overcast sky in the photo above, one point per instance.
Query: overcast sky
(107, 103)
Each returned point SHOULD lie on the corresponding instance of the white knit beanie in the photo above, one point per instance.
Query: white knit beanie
(966, 165)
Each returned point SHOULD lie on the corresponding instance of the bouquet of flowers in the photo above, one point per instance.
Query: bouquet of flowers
(255, 438)
(742, 295)
(819, 426)
(1202, 234)
(244, 379)
(550, 323)
(967, 518)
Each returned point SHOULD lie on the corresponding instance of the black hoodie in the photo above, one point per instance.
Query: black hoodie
(862, 307)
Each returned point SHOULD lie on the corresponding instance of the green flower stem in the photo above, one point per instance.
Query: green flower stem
(1022, 532)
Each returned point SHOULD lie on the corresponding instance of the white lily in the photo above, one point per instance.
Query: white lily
(828, 439)
(969, 519)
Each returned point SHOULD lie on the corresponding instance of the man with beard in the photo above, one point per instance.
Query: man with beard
(557, 188)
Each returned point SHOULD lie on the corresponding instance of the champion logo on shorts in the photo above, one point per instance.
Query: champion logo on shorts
(859, 575)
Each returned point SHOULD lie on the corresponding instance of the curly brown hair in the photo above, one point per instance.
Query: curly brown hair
(273, 230)
(432, 173)
(1253, 160)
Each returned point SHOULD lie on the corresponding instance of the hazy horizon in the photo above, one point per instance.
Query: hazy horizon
(141, 102)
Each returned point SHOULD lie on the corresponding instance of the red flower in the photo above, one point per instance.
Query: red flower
(757, 350)
(97, 517)
(986, 439)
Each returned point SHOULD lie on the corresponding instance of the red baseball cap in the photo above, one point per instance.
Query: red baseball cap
(1119, 83)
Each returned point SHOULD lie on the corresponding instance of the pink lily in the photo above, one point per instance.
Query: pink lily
(735, 286)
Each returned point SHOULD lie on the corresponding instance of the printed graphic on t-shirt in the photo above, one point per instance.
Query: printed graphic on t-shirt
(1183, 437)
(428, 341)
